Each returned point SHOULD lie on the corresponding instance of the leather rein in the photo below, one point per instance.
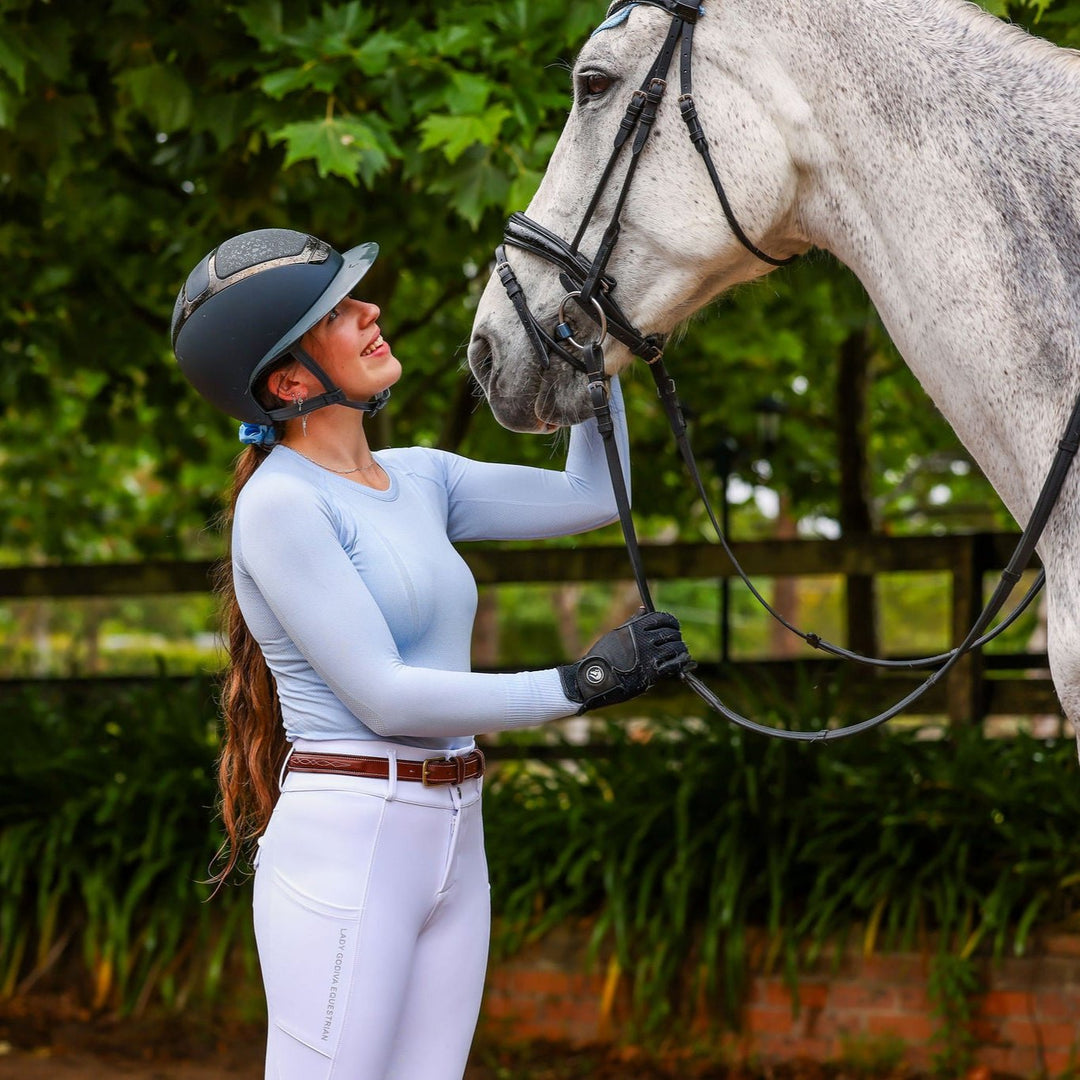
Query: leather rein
(591, 287)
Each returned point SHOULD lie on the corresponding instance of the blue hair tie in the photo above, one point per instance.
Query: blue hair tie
(257, 434)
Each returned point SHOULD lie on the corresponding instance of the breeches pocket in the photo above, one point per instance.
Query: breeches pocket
(307, 951)
(310, 891)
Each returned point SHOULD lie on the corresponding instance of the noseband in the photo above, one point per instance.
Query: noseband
(589, 285)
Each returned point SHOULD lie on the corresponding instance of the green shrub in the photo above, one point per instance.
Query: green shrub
(683, 845)
(105, 834)
(695, 851)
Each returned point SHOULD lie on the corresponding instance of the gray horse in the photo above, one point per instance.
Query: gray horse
(929, 146)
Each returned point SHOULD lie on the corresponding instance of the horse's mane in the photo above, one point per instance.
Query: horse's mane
(1017, 39)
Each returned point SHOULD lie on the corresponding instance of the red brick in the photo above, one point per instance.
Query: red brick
(1061, 1063)
(986, 1030)
(585, 985)
(893, 968)
(1062, 944)
(813, 995)
(848, 995)
(813, 1049)
(915, 1029)
(567, 1010)
(912, 999)
(1053, 1005)
(777, 992)
(763, 1020)
(1021, 1061)
(770, 992)
(501, 1008)
(541, 982)
(999, 1059)
(835, 1026)
(1007, 1003)
(546, 993)
(536, 1031)
(1018, 973)
(1049, 1036)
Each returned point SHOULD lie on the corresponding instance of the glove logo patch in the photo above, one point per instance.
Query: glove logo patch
(595, 674)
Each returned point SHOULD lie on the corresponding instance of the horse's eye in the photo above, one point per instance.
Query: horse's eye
(596, 83)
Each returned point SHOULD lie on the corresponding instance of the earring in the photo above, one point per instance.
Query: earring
(299, 409)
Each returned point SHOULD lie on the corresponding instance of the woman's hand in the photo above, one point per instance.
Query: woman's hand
(627, 661)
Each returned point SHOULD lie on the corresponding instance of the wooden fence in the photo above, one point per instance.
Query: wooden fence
(979, 686)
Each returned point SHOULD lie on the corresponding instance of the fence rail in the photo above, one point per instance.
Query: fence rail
(1017, 684)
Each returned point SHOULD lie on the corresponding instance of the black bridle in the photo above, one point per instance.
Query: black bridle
(586, 280)
(591, 287)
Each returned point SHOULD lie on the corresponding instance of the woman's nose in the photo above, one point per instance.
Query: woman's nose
(368, 312)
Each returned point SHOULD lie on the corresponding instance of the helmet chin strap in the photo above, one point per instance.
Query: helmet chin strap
(334, 395)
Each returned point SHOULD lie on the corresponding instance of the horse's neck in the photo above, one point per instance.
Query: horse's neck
(937, 147)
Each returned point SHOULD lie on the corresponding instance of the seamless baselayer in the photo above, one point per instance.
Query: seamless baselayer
(364, 609)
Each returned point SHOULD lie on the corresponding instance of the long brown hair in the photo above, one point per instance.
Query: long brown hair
(254, 745)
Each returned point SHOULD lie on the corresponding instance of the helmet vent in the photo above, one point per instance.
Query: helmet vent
(262, 246)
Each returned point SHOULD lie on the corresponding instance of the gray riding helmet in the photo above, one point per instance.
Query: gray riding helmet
(247, 304)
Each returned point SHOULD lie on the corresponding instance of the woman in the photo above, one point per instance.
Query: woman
(349, 637)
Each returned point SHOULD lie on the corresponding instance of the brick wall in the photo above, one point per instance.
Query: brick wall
(1026, 1021)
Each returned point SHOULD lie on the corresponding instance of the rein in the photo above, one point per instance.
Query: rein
(975, 639)
(590, 286)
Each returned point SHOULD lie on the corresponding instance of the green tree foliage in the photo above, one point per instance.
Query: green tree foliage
(136, 136)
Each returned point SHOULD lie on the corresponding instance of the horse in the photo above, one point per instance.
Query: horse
(928, 145)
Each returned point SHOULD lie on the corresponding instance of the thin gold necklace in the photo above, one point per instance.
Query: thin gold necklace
(328, 468)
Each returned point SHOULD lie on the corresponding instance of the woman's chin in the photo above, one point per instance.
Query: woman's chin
(385, 376)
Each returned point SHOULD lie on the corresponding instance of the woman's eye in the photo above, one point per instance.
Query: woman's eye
(596, 83)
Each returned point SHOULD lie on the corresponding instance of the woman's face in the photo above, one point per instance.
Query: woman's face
(349, 346)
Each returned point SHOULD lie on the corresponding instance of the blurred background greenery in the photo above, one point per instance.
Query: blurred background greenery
(135, 137)
(132, 142)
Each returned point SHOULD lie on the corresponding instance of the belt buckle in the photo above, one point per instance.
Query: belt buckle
(428, 781)
(458, 761)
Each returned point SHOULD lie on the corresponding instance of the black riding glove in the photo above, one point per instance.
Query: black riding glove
(626, 661)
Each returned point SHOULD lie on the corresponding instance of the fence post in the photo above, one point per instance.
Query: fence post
(964, 689)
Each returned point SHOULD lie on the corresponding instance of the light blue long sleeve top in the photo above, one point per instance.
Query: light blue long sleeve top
(364, 610)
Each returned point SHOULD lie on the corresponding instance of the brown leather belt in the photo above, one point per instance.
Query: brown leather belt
(431, 773)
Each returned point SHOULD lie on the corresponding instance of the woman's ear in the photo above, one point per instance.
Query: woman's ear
(285, 385)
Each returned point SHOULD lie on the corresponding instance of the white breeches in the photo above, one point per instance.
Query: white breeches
(372, 922)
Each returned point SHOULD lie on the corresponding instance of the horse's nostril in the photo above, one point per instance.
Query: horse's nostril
(480, 359)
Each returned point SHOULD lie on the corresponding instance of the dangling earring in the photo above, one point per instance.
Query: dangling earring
(303, 419)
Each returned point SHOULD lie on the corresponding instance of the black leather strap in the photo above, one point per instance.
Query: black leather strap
(974, 639)
(675, 8)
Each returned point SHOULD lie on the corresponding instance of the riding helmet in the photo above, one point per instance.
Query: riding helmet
(247, 304)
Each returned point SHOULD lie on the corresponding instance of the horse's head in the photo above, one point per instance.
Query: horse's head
(676, 250)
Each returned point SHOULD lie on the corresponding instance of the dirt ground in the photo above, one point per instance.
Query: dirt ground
(244, 1062)
(538, 1063)
(49, 1039)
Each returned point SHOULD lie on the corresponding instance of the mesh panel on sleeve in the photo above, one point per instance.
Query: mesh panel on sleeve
(260, 246)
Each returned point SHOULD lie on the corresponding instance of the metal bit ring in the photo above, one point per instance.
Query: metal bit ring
(599, 311)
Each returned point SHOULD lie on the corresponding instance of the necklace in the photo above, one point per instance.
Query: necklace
(340, 472)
